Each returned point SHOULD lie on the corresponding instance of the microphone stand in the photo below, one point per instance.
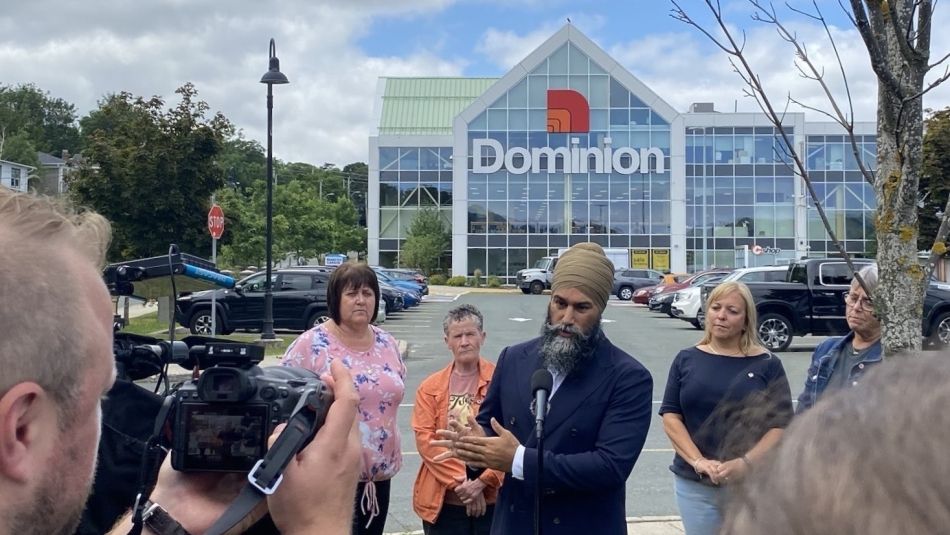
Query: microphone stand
(538, 485)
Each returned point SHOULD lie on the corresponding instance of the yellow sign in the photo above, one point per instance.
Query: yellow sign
(661, 260)
(639, 258)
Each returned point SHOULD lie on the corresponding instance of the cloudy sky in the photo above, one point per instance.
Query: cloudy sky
(334, 51)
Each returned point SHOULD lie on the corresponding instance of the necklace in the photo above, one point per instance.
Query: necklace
(717, 351)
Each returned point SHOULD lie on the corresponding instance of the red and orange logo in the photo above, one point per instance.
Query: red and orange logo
(568, 112)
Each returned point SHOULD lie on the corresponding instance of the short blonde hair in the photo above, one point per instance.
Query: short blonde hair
(44, 244)
(750, 337)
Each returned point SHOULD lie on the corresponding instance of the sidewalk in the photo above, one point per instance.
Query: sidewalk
(654, 525)
(461, 290)
(636, 525)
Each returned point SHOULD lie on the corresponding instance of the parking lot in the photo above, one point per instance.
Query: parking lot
(652, 338)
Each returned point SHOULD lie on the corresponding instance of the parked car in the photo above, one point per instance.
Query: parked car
(811, 301)
(689, 304)
(393, 298)
(381, 310)
(409, 286)
(662, 298)
(410, 275)
(537, 278)
(626, 281)
(299, 303)
(642, 295)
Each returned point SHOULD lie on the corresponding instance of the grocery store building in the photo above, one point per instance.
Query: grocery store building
(569, 147)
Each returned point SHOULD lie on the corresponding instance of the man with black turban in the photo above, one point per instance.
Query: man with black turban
(599, 415)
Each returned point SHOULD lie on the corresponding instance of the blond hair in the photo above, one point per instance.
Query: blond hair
(749, 340)
(43, 301)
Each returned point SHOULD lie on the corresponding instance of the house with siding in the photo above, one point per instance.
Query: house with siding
(15, 176)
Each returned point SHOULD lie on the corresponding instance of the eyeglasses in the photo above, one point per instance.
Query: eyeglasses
(860, 303)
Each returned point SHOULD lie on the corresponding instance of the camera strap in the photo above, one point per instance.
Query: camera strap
(267, 474)
(152, 458)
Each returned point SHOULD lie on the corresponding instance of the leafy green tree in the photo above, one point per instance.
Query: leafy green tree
(155, 171)
(934, 176)
(426, 241)
(306, 222)
(20, 148)
(49, 123)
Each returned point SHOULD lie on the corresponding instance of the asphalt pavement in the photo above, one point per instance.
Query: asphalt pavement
(511, 317)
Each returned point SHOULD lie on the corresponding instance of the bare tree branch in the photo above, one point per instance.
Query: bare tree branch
(924, 27)
(902, 35)
(816, 110)
(756, 89)
(932, 85)
(937, 63)
(846, 121)
(878, 64)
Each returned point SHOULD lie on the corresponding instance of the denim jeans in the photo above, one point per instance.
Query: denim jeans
(700, 506)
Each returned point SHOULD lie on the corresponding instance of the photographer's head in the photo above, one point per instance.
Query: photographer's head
(56, 356)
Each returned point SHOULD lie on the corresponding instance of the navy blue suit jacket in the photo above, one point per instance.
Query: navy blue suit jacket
(593, 434)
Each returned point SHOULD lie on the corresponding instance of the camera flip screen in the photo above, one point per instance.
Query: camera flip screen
(224, 438)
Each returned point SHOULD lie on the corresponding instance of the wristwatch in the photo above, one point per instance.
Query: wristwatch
(157, 519)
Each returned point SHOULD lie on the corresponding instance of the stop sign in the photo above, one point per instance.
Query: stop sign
(216, 221)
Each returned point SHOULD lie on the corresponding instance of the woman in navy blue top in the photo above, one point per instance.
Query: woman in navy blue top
(726, 403)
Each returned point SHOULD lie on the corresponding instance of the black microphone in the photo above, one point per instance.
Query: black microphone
(541, 384)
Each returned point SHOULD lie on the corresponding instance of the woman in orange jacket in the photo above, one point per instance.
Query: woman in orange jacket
(443, 496)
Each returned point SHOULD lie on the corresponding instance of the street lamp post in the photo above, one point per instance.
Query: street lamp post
(271, 77)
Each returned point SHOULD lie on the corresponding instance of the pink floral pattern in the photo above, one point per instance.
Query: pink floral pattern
(379, 375)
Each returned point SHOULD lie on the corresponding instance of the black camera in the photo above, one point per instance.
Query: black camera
(222, 420)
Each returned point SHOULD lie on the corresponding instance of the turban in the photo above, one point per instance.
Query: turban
(587, 268)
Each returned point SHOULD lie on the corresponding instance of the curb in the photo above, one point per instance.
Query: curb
(661, 525)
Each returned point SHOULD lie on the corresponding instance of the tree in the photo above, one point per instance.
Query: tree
(312, 213)
(426, 241)
(935, 176)
(49, 123)
(897, 36)
(20, 149)
(156, 171)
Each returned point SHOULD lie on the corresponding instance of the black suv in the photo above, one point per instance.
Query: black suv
(299, 302)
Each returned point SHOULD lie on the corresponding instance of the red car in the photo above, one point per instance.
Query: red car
(642, 295)
(661, 297)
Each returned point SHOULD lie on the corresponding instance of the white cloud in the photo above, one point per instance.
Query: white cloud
(683, 68)
(82, 51)
(506, 48)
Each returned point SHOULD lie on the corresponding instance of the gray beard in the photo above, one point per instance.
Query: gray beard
(563, 355)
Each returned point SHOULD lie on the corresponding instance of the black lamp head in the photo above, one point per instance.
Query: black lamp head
(273, 74)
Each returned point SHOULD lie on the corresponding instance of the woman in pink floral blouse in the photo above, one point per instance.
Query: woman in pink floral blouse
(373, 359)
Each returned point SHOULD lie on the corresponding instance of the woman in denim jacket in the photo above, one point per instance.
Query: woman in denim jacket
(840, 362)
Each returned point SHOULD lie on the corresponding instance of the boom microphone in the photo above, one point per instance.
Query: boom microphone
(541, 384)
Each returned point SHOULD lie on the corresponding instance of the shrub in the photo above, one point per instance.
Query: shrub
(437, 280)
(494, 282)
(477, 279)
(458, 280)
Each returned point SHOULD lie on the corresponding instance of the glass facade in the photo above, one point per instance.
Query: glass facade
(410, 179)
(530, 191)
(845, 195)
(739, 191)
(516, 218)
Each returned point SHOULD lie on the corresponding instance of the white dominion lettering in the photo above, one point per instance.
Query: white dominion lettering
(519, 160)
